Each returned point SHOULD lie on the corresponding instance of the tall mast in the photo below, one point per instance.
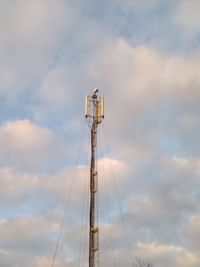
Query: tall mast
(94, 112)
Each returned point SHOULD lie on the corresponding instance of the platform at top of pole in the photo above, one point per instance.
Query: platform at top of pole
(94, 107)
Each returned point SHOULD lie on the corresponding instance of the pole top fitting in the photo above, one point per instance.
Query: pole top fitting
(94, 95)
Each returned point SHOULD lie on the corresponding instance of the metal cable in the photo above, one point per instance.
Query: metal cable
(87, 207)
(108, 206)
(67, 199)
(119, 203)
(84, 207)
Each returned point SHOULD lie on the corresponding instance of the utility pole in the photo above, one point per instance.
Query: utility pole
(94, 112)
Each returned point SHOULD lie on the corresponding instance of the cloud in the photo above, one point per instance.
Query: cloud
(24, 234)
(51, 53)
(160, 199)
(15, 187)
(44, 47)
(53, 90)
(157, 94)
(31, 33)
(21, 189)
(35, 237)
(192, 230)
(167, 255)
(29, 240)
(138, 5)
(187, 18)
(28, 146)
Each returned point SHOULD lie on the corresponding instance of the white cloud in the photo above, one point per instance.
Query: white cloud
(42, 41)
(159, 254)
(26, 145)
(23, 232)
(54, 89)
(50, 50)
(31, 33)
(16, 187)
(30, 240)
(29, 187)
(110, 166)
(143, 73)
(19, 189)
(35, 238)
(192, 231)
(187, 17)
(150, 97)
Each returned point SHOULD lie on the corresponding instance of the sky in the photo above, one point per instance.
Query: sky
(144, 56)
